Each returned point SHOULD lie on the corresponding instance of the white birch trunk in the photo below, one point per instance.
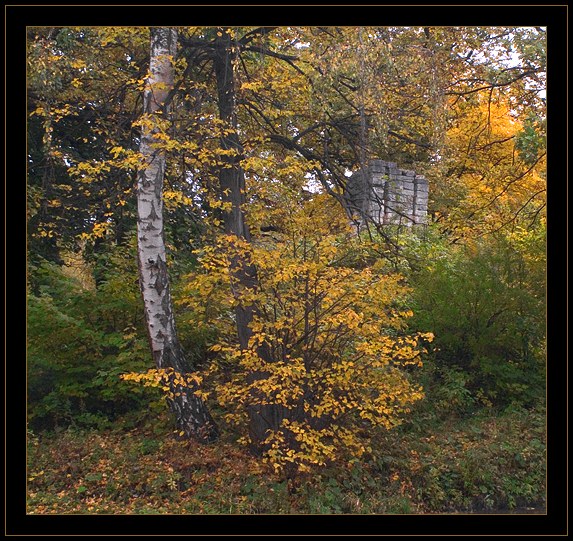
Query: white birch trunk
(191, 413)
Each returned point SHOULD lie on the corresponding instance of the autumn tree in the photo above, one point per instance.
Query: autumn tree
(228, 50)
(336, 357)
(332, 96)
(82, 99)
(491, 184)
(489, 172)
(252, 68)
(192, 416)
(247, 115)
(85, 92)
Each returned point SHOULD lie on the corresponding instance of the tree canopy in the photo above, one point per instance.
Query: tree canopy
(209, 166)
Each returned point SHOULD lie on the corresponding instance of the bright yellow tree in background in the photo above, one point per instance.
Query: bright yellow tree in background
(485, 182)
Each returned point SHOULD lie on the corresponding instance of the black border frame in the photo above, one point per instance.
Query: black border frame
(555, 522)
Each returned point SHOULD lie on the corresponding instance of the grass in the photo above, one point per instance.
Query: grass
(454, 465)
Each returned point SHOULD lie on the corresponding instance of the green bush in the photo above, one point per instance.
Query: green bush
(85, 327)
(79, 340)
(485, 303)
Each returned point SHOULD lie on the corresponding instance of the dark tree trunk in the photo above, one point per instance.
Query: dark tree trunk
(243, 271)
(191, 414)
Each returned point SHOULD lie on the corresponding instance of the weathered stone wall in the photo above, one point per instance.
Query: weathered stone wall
(388, 194)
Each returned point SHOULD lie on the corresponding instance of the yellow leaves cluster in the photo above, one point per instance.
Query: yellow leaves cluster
(112, 35)
(171, 382)
(137, 84)
(99, 230)
(40, 111)
(157, 125)
(90, 172)
(255, 86)
(55, 114)
(45, 233)
(494, 184)
(78, 63)
(299, 445)
(176, 198)
(334, 337)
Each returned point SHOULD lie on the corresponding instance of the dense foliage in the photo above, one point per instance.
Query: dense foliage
(485, 302)
(333, 335)
(81, 337)
(389, 370)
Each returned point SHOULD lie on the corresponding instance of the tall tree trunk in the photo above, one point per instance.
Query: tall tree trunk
(191, 414)
(232, 188)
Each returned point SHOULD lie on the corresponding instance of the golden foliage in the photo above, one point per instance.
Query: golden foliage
(328, 342)
(482, 184)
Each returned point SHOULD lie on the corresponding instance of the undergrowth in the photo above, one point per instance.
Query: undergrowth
(457, 465)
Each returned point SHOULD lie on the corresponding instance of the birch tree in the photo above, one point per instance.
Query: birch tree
(192, 417)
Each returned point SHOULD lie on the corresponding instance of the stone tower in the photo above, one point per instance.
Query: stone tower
(388, 194)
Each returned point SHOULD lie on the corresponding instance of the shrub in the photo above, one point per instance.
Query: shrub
(337, 357)
(485, 303)
(79, 340)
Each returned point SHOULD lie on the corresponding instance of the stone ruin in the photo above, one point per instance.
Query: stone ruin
(388, 195)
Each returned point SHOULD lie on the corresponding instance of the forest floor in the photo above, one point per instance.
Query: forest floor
(483, 464)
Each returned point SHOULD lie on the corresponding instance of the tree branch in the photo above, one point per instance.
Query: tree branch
(289, 59)
(250, 36)
(491, 86)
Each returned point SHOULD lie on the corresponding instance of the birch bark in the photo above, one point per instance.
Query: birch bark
(191, 414)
